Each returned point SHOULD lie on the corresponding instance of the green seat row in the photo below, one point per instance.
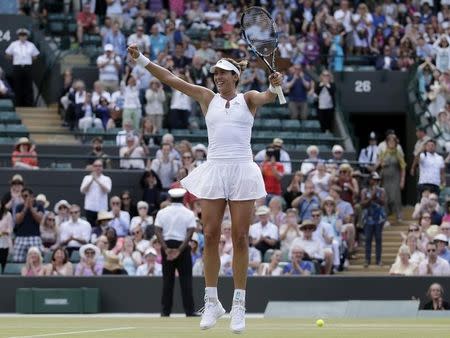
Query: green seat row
(6, 105)
(9, 117)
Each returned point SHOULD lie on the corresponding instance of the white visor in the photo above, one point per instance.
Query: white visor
(225, 65)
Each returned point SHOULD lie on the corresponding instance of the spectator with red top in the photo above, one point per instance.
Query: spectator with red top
(24, 155)
(272, 172)
(86, 22)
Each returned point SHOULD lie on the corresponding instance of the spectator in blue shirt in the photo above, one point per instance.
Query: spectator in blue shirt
(441, 241)
(297, 266)
(298, 85)
(117, 39)
(158, 42)
(306, 202)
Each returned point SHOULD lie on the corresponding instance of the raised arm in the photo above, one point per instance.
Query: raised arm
(200, 94)
(256, 99)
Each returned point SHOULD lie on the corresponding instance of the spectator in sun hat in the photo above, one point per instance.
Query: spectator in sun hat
(89, 265)
(200, 152)
(441, 241)
(61, 210)
(103, 219)
(151, 267)
(285, 159)
(264, 233)
(337, 156)
(42, 200)
(24, 155)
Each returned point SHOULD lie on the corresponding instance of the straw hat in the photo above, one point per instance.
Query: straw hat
(42, 198)
(104, 215)
(308, 223)
(23, 140)
(112, 261)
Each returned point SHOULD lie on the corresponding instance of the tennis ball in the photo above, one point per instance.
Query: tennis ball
(320, 322)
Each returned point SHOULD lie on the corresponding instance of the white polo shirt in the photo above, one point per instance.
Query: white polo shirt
(109, 72)
(95, 199)
(22, 52)
(270, 230)
(79, 229)
(430, 166)
(312, 247)
(440, 268)
(175, 220)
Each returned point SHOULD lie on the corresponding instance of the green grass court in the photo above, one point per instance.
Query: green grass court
(153, 327)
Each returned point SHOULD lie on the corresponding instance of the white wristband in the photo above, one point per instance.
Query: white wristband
(272, 89)
(142, 60)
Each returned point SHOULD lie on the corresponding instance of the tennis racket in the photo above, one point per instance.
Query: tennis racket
(259, 30)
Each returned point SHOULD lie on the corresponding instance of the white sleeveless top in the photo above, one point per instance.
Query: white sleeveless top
(229, 130)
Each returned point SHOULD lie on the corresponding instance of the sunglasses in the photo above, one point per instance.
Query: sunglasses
(308, 228)
(315, 216)
(50, 219)
(431, 250)
(445, 229)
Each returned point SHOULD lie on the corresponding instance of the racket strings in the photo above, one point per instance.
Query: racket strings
(260, 31)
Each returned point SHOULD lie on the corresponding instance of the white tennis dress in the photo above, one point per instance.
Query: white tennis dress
(229, 171)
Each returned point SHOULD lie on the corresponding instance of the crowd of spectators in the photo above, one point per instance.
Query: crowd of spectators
(312, 226)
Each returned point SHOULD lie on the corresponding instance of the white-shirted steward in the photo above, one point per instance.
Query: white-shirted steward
(430, 166)
(229, 172)
(22, 52)
(95, 199)
(175, 220)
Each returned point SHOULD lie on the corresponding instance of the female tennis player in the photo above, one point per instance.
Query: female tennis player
(228, 176)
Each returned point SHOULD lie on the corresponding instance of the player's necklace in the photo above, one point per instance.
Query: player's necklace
(227, 104)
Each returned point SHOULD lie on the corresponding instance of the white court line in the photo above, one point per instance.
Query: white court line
(75, 332)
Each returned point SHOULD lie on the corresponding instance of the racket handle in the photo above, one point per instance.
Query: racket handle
(280, 94)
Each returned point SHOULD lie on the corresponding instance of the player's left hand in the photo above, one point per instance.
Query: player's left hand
(276, 79)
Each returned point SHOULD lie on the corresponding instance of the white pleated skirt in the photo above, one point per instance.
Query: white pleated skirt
(227, 179)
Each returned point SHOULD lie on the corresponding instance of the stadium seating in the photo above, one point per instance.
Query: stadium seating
(13, 268)
(6, 105)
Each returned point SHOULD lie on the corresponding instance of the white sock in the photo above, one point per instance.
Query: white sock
(211, 293)
(239, 297)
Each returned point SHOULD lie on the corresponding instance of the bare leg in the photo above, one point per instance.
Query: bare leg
(212, 216)
(241, 215)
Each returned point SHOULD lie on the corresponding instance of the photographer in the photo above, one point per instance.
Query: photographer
(272, 171)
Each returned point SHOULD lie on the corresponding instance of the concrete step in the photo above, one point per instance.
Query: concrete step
(44, 125)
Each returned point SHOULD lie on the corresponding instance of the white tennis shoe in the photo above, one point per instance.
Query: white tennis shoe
(237, 313)
(212, 311)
